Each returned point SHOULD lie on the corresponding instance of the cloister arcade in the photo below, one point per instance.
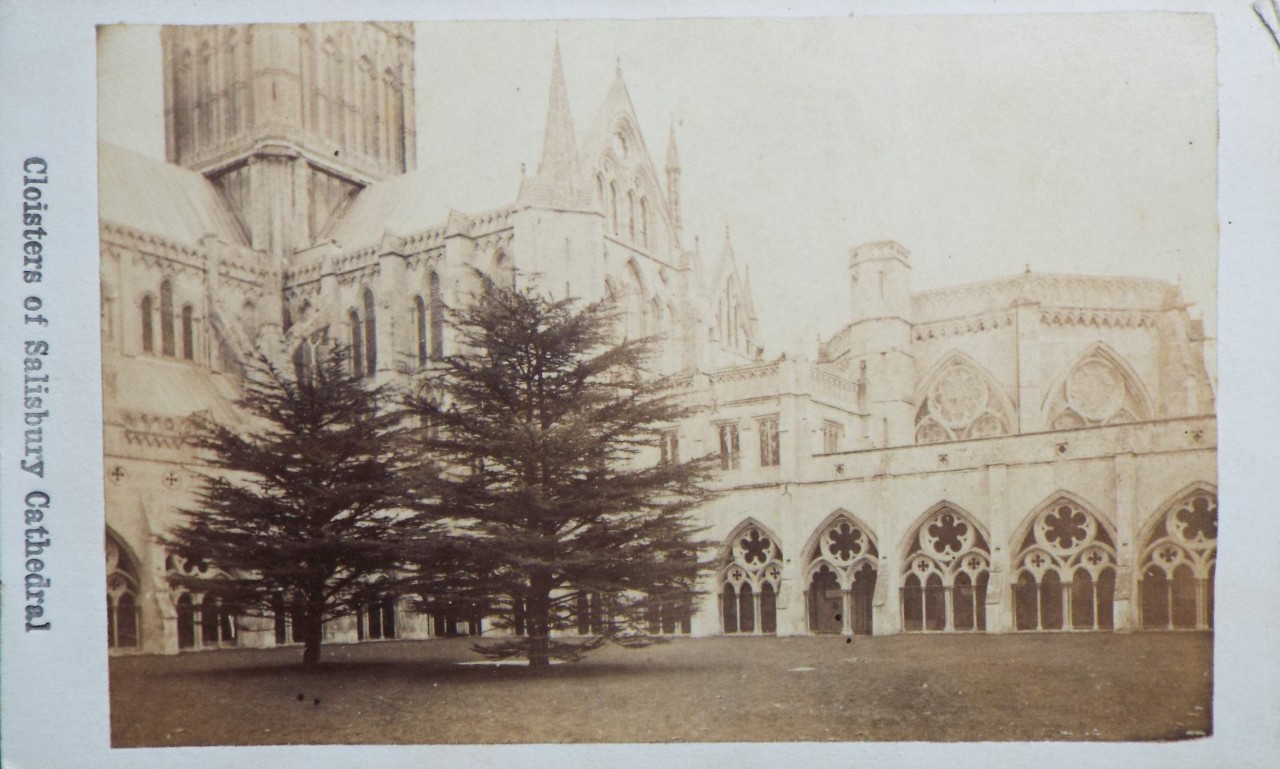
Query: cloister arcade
(1062, 573)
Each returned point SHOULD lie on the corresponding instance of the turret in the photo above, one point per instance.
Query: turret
(880, 282)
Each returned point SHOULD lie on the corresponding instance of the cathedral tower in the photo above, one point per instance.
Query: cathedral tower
(290, 121)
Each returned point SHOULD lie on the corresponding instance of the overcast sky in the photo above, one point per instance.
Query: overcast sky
(985, 145)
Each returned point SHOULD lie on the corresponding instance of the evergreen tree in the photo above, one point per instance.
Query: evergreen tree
(307, 512)
(553, 493)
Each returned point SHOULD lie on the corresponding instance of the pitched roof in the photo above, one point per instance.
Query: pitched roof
(408, 203)
(161, 198)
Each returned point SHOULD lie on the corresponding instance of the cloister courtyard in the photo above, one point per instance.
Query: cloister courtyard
(1037, 686)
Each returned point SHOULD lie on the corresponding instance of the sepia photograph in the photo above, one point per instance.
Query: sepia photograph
(683, 381)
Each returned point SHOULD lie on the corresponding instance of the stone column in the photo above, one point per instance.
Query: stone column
(846, 611)
(999, 586)
(1126, 606)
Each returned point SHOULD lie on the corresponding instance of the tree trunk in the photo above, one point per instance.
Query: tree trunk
(312, 633)
(539, 625)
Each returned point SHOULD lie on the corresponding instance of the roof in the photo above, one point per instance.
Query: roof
(408, 203)
(162, 199)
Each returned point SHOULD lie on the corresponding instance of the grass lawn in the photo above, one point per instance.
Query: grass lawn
(1151, 686)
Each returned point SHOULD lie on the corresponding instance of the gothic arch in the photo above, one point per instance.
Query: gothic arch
(960, 399)
(124, 593)
(841, 566)
(749, 579)
(1177, 561)
(1064, 567)
(1098, 388)
(946, 567)
(202, 618)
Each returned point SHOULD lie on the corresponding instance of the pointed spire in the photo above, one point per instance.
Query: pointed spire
(559, 147)
(673, 154)
(556, 182)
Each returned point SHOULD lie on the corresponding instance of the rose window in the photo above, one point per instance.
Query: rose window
(844, 542)
(1064, 528)
(754, 547)
(1198, 521)
(945, 536)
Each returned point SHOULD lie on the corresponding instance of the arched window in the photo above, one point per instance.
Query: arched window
(1097, 390)
(1065, 571)
(644, 221)
(304, 362)
(355, 338)
(124, 623)
(202, 619)
(631, 216)
(1178, 560)
(842, 567)
(186, 621)
(945, 575)
(961, 402)
(147, 311)
(600, 191)
(420, 328)
(166, 319)
(436, 308)
(370, 335)
(188, 333)
(613, 207)
(752, 569)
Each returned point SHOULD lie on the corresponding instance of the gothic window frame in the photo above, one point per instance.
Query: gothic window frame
(961, 400)
(435, 308)
(1074, 401)
(770, 439)
(1041, 560)
(168, 346)
(946, 542)
(730, 443)
(845, 546)
(124, 595)
(370, 332)
(212, 623)
(355, 341)
(422, 344)
(188, 332)
(147, 313)
(1168, 552)
(750, 569)
(832, 436)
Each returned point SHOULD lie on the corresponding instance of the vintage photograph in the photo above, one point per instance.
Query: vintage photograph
(660, 381)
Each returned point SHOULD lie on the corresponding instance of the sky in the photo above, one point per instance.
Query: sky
(986, 145)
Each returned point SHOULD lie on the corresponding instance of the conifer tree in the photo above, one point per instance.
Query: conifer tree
(552, 491)
(306, 512)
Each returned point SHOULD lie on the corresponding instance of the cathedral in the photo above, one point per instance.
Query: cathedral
(1033, 453)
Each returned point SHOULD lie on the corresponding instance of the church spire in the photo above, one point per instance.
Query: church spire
(559, 147)
(556, 183)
